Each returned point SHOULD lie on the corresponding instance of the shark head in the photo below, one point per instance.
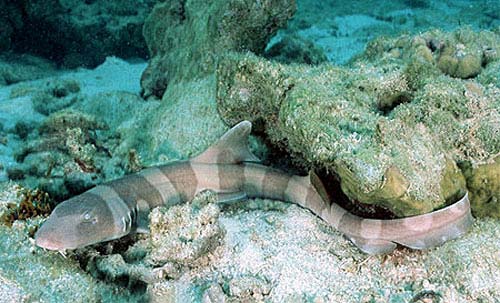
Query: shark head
(80, 221)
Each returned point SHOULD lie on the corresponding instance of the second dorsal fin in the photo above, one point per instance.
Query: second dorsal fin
(232, 147)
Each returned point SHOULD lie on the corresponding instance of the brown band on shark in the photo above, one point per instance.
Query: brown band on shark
(333, 215)
(134, 187)
(162, 184)
(296, 191)
(314, 202)
(275, 184)
(231, 177)
(118, 207)
(183, 178)
(106, 216)
(254, 179)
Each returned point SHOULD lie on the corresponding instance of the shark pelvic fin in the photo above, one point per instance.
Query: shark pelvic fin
(231, 148)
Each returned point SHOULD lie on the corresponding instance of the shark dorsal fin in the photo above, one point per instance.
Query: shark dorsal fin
(232, 147)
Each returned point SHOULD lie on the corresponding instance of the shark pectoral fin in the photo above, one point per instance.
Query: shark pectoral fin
(142, 224)
(232, 147)
(373, 246)
(231, 197)
(142, 230)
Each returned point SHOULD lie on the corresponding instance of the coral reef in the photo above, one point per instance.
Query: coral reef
(382, 125)
(82, 134)
(185, 37)
(68, 157)
(58, 94)
(484, 184)
(295, 49)
(27, 204)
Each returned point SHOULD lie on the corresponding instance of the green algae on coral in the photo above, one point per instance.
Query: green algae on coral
(376, 158)
(391, 134)
(484, 184)
(185, 38)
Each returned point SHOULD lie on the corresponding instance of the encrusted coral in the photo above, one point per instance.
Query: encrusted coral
(392, 129)
(66, 157)
(185, 37)
(20, 203)
(181, 237)
(184, 233)
(55, 96)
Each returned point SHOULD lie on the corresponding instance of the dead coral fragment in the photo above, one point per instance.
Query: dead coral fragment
(68, 156)
(181, 236)
(57, 94)
(27, 204)
(60, 121)
(484, 182)
(185, 233)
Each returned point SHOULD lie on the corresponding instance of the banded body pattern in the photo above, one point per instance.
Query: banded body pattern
(116, 208)
(131, 198)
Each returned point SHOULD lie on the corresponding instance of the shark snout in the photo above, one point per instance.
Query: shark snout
(52, 235)
(44, 238)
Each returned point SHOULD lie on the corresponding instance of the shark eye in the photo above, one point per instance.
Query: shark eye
(90, 218)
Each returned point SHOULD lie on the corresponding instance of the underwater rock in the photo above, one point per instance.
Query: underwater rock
(57, 95)
(462, 53)
(11, 20)
(76, 33)
(185, 37)
(484, 184)
(248, 288)
(380, 127)
(183, 234)
(296, 49)
(67, 157)
(11, 292)
(18, 68)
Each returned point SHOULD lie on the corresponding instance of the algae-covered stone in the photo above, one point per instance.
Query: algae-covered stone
(185, 233)
(57, 95)
(67, 157)
(484, 184)
(18, 68)
(185, 38)
(296, 49)
(463, 53)
(377, 127)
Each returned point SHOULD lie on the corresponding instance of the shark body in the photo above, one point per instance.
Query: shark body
(117, 208)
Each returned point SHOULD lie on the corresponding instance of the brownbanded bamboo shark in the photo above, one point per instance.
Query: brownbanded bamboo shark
(117, 208)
